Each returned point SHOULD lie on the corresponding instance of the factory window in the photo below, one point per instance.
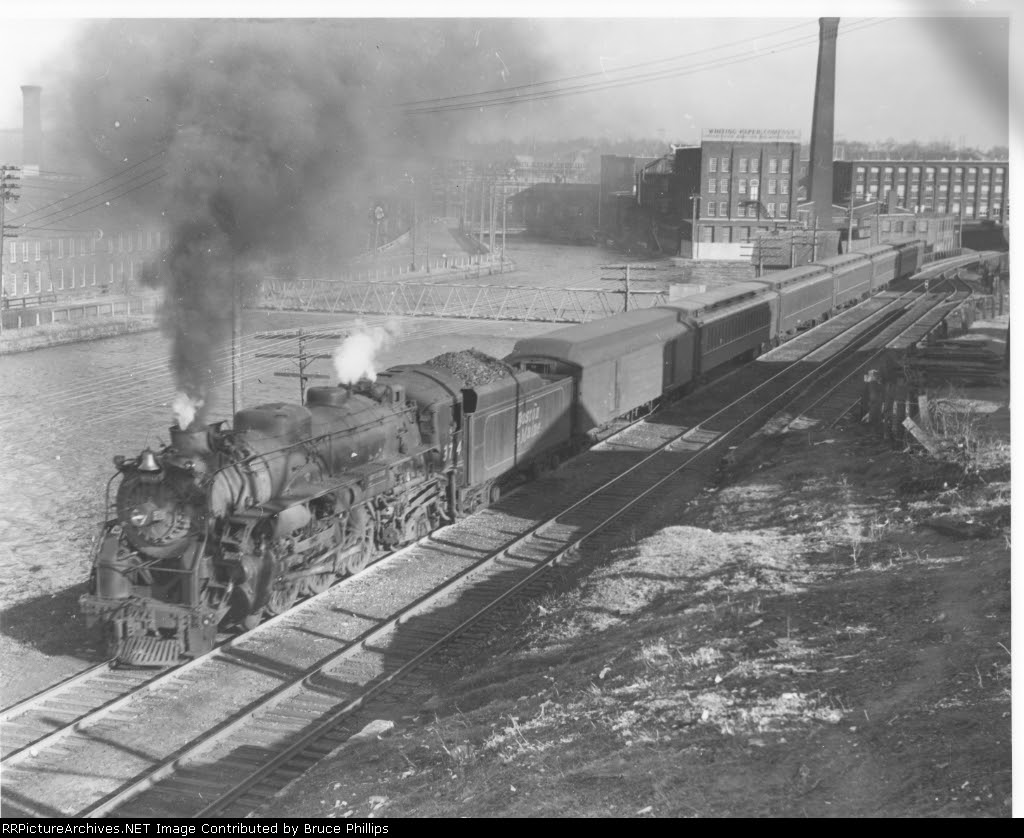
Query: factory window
(783, 210)
(984, 189)
(743, 165)
(111, 280)
(874, 170)
(712, 164)
(743, 186)
(986, 171)
(969, 212)
(773, 166)
(711, 209)
(998, 189)
(999, 174)
(14, 251)
(771, 210)
(753, 165)
(982, 209)
(725, 164)
(929, 173)
(897, 226)
(957, 189)
(859, 190)
(723, 209)
(943, 187)
(955, 207)
(944, 170)
(916, 170)
(773, 185)
(72, 276)
(886, 225)
(110, 245)
(958, 172)
(940, 207)
(94, 273)
(24, 283)
(970, 188)
(60, 248)
(783, 187)
(860, 170)
(71, 248)
(996, 206)
(723, 186)
(39, 251)
(888, 170)
(785, 166)
(39, 282)
(131, 270)
(60, 278)
(131, 242)
(24, 251)
(972, 172)
(902, 170)
(712, 183)
(901, 190)
(120, 242)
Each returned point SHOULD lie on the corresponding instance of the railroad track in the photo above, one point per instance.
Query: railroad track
(247, 718)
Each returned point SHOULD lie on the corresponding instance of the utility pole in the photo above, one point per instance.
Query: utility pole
(237, 399)
(693, 228)
(304, 359)
(849, 225)
(412, 267)
(481, 237)
(504, 227)
(493, 218)
(626, 278)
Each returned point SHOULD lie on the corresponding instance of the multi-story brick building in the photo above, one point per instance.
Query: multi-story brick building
(974, 190)
(80, 265)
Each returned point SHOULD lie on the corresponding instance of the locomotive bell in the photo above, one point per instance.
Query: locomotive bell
(148, 463)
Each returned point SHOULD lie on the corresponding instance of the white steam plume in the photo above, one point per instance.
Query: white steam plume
(185, 410)
(355, 358)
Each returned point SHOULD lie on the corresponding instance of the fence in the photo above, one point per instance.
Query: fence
(24, 318)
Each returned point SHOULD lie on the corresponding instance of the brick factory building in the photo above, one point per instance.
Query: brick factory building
(974, 190)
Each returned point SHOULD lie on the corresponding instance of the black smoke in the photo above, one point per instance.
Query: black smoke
(272, 137)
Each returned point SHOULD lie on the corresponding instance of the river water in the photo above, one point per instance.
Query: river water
(67, 410)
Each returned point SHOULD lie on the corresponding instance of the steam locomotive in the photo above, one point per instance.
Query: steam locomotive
(222, 527)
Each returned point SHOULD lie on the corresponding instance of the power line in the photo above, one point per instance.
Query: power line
(628, 81)
(602, 74)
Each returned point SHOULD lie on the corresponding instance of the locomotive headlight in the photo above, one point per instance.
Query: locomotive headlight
(139, 517)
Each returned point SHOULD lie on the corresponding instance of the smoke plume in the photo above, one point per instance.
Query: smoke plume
(356, 357)
(272, 137)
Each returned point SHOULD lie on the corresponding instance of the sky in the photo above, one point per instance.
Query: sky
(900, 74)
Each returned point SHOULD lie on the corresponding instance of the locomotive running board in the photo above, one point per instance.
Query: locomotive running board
(149, 651)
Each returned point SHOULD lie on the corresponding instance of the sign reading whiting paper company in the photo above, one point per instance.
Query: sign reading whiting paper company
(751, 135)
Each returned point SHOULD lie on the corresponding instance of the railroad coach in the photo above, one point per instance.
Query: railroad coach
(730, 322)
(883, 265)
(852, 275)
(909, 258)
(618, 364)
(805, 295)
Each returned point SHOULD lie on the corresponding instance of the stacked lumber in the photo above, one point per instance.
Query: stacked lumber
(964, 361)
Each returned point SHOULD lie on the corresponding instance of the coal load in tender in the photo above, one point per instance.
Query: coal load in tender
(471, 366)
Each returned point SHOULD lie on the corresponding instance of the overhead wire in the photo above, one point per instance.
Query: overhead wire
(592, 87)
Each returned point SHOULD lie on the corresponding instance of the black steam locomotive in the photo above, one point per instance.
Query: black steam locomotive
(222, 527)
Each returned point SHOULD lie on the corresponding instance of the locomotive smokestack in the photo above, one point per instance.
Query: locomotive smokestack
(32, 129)
(819, 187)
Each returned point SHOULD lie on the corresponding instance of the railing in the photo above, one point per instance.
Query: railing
(24, 303)
(79, 311)
(484, 302)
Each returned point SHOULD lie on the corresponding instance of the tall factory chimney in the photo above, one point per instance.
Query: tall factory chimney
(819, 187)
(32, 129)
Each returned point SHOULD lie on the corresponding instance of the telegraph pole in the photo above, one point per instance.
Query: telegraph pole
(626, 278)
(304, 359)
